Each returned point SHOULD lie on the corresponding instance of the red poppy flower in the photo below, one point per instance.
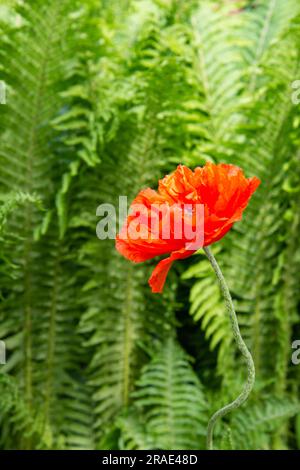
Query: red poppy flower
(155, 225)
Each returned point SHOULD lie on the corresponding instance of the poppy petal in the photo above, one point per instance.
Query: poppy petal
(159, 275)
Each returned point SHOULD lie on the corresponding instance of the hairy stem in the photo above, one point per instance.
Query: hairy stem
(242, 347)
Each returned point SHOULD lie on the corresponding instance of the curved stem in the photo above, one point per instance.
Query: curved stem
(242, 347)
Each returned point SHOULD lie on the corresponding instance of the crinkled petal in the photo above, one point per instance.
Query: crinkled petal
(158, 277)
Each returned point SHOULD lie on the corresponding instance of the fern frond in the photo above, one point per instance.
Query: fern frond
(39, 313)
(170, 401)
(252, 427)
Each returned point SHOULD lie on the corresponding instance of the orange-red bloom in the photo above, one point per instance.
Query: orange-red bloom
(221, 190)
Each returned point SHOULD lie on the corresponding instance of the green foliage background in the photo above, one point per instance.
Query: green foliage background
(103, 98)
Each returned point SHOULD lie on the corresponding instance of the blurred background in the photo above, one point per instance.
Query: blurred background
(103, 98)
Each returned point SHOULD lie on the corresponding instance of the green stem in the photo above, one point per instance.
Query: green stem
(242, 347)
